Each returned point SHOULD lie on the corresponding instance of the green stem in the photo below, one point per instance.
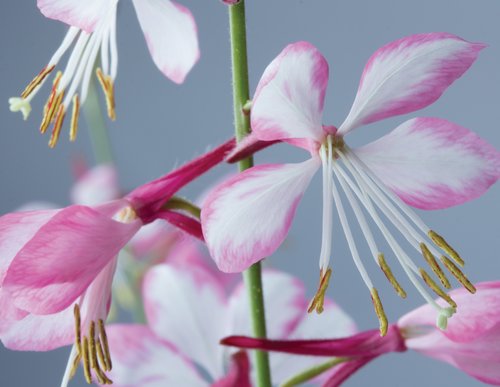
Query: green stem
(178, 203)
(312, 372)
(97, 126)
(241, 94)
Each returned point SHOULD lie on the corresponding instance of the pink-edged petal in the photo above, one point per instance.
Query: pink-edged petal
(153, 239)
(432, 163)
(185, 305)
(288, 102)
(16, 229)
(284, 297)
(247, 147)
(478, 357)
(96, 186)
(332, 323)
(82, 14)
(148, 198)
(238, 374)
(171, 36)
(40, 332)
(409, 74)
(64, 256)
(476, 313)
(140, 359)
(186, 223)
(247, 217)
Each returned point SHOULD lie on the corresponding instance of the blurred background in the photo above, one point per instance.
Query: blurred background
(160, 125)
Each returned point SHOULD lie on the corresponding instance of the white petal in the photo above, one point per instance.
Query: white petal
(171, 36)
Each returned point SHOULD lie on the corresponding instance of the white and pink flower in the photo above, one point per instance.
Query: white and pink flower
(189, 309)
(170, 33)
(428, 163)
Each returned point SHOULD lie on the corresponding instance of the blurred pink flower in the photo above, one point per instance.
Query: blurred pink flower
(471, 342)
(170, 33)
(428, 163)
(189, 308)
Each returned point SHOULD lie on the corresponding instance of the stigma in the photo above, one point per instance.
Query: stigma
(367, 195)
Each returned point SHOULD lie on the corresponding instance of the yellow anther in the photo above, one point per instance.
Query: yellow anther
(86, 360)
(73, 130)
(440, 242)
(379, 310)
(56, 131)
(431, 260)
(319, 298)
(101, 376)
(37, 80)
(78, 332)
(458, 274)
(109, 92)
(52, 104)
(390, 277)
(74, 366)
(100, 354)
(440, 292)
(104, 338)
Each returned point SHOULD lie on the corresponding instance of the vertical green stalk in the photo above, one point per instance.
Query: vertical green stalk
(252, 276)
(97, 126)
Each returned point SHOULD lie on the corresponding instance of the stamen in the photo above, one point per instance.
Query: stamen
(379, 310)
(52, 104)
(388, 273)
(104, 338)
(56, 131)
(319, 298)
(37, 80)
(107, 86)
(458, 274)
(74, 118)
(101, 376)
(74, 365)
(86, 360)
(100, 354)
(440, 242)
(431, 260)
(78, 332)
(430, 282)
(327, 221)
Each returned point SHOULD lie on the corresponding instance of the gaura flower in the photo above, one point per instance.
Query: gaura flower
(471, 342)
(428, 163)
(170, 33)
(57, 266)
(189, 309)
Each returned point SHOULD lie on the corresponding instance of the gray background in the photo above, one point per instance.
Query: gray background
(161, 124)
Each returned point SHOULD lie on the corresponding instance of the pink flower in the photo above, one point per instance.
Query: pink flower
(428, 163)
(170, 33)
(189, 309)
(470, 343)
(56, 266)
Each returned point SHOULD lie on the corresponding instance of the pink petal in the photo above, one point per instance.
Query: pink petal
(343, 371)
(432, 163)
(238, 374)
(409, 74)
(171, 36)
(284, 297)
(16, 229)
(185, 305)
(98, 185)
(247, 217)
(60, 261)
(153, 239)
(476, 313)
(140, 359)
(148, 198)
(183, 222)
(82, 14)
(288, 103)
(40, 333)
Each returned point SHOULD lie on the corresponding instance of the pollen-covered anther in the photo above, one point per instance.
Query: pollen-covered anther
(73, 129)
(37, 81)
(318, 300)
(441, 243)
(436, 289)
(379, 310)
(390, 276)
(458, 274)
(52, 104)
(56, 130)
(109, 92)
(431, 260)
